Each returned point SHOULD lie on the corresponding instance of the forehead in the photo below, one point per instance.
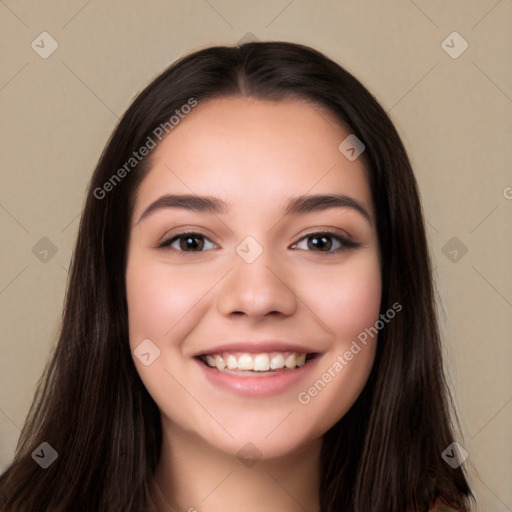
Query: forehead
(254, 153)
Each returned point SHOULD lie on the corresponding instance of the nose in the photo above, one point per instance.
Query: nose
(257, 289)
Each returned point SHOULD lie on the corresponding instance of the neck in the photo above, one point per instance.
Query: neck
(195, 476)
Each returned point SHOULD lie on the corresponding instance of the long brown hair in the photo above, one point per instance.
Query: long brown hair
(91, 406)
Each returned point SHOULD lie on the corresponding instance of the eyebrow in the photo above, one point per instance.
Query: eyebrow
(296, 205)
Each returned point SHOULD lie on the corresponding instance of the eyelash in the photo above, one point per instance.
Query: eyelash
(345, 242)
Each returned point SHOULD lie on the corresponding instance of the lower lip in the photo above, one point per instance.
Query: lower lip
(260, 385)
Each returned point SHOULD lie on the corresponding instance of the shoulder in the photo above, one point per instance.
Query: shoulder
(442, 504)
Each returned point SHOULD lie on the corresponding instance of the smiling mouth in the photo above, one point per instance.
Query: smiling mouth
(245, 364)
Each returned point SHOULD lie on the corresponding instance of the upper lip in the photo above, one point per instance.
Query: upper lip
(257, 347)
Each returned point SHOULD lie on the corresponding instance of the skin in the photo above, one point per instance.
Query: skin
(255, 155)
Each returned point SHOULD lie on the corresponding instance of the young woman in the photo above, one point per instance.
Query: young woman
(250, 320)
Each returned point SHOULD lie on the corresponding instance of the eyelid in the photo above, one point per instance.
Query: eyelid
(335, 232)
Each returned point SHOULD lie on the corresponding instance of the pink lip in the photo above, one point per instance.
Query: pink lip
(259, 386)
(258, 347)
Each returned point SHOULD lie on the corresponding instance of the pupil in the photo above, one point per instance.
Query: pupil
(324, 239)
(189, 243)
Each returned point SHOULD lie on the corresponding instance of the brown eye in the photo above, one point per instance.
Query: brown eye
(323, 242)
(192, 242)
(186, 242)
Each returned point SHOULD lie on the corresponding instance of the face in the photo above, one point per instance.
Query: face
(259, 275)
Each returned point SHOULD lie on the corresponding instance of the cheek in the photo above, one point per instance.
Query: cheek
(348, 303)
(158, 297)
(356, 306)
(347, 299)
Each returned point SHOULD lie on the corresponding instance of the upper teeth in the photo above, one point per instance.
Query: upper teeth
(258, 362)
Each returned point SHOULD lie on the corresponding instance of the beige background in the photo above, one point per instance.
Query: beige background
(455, 117)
